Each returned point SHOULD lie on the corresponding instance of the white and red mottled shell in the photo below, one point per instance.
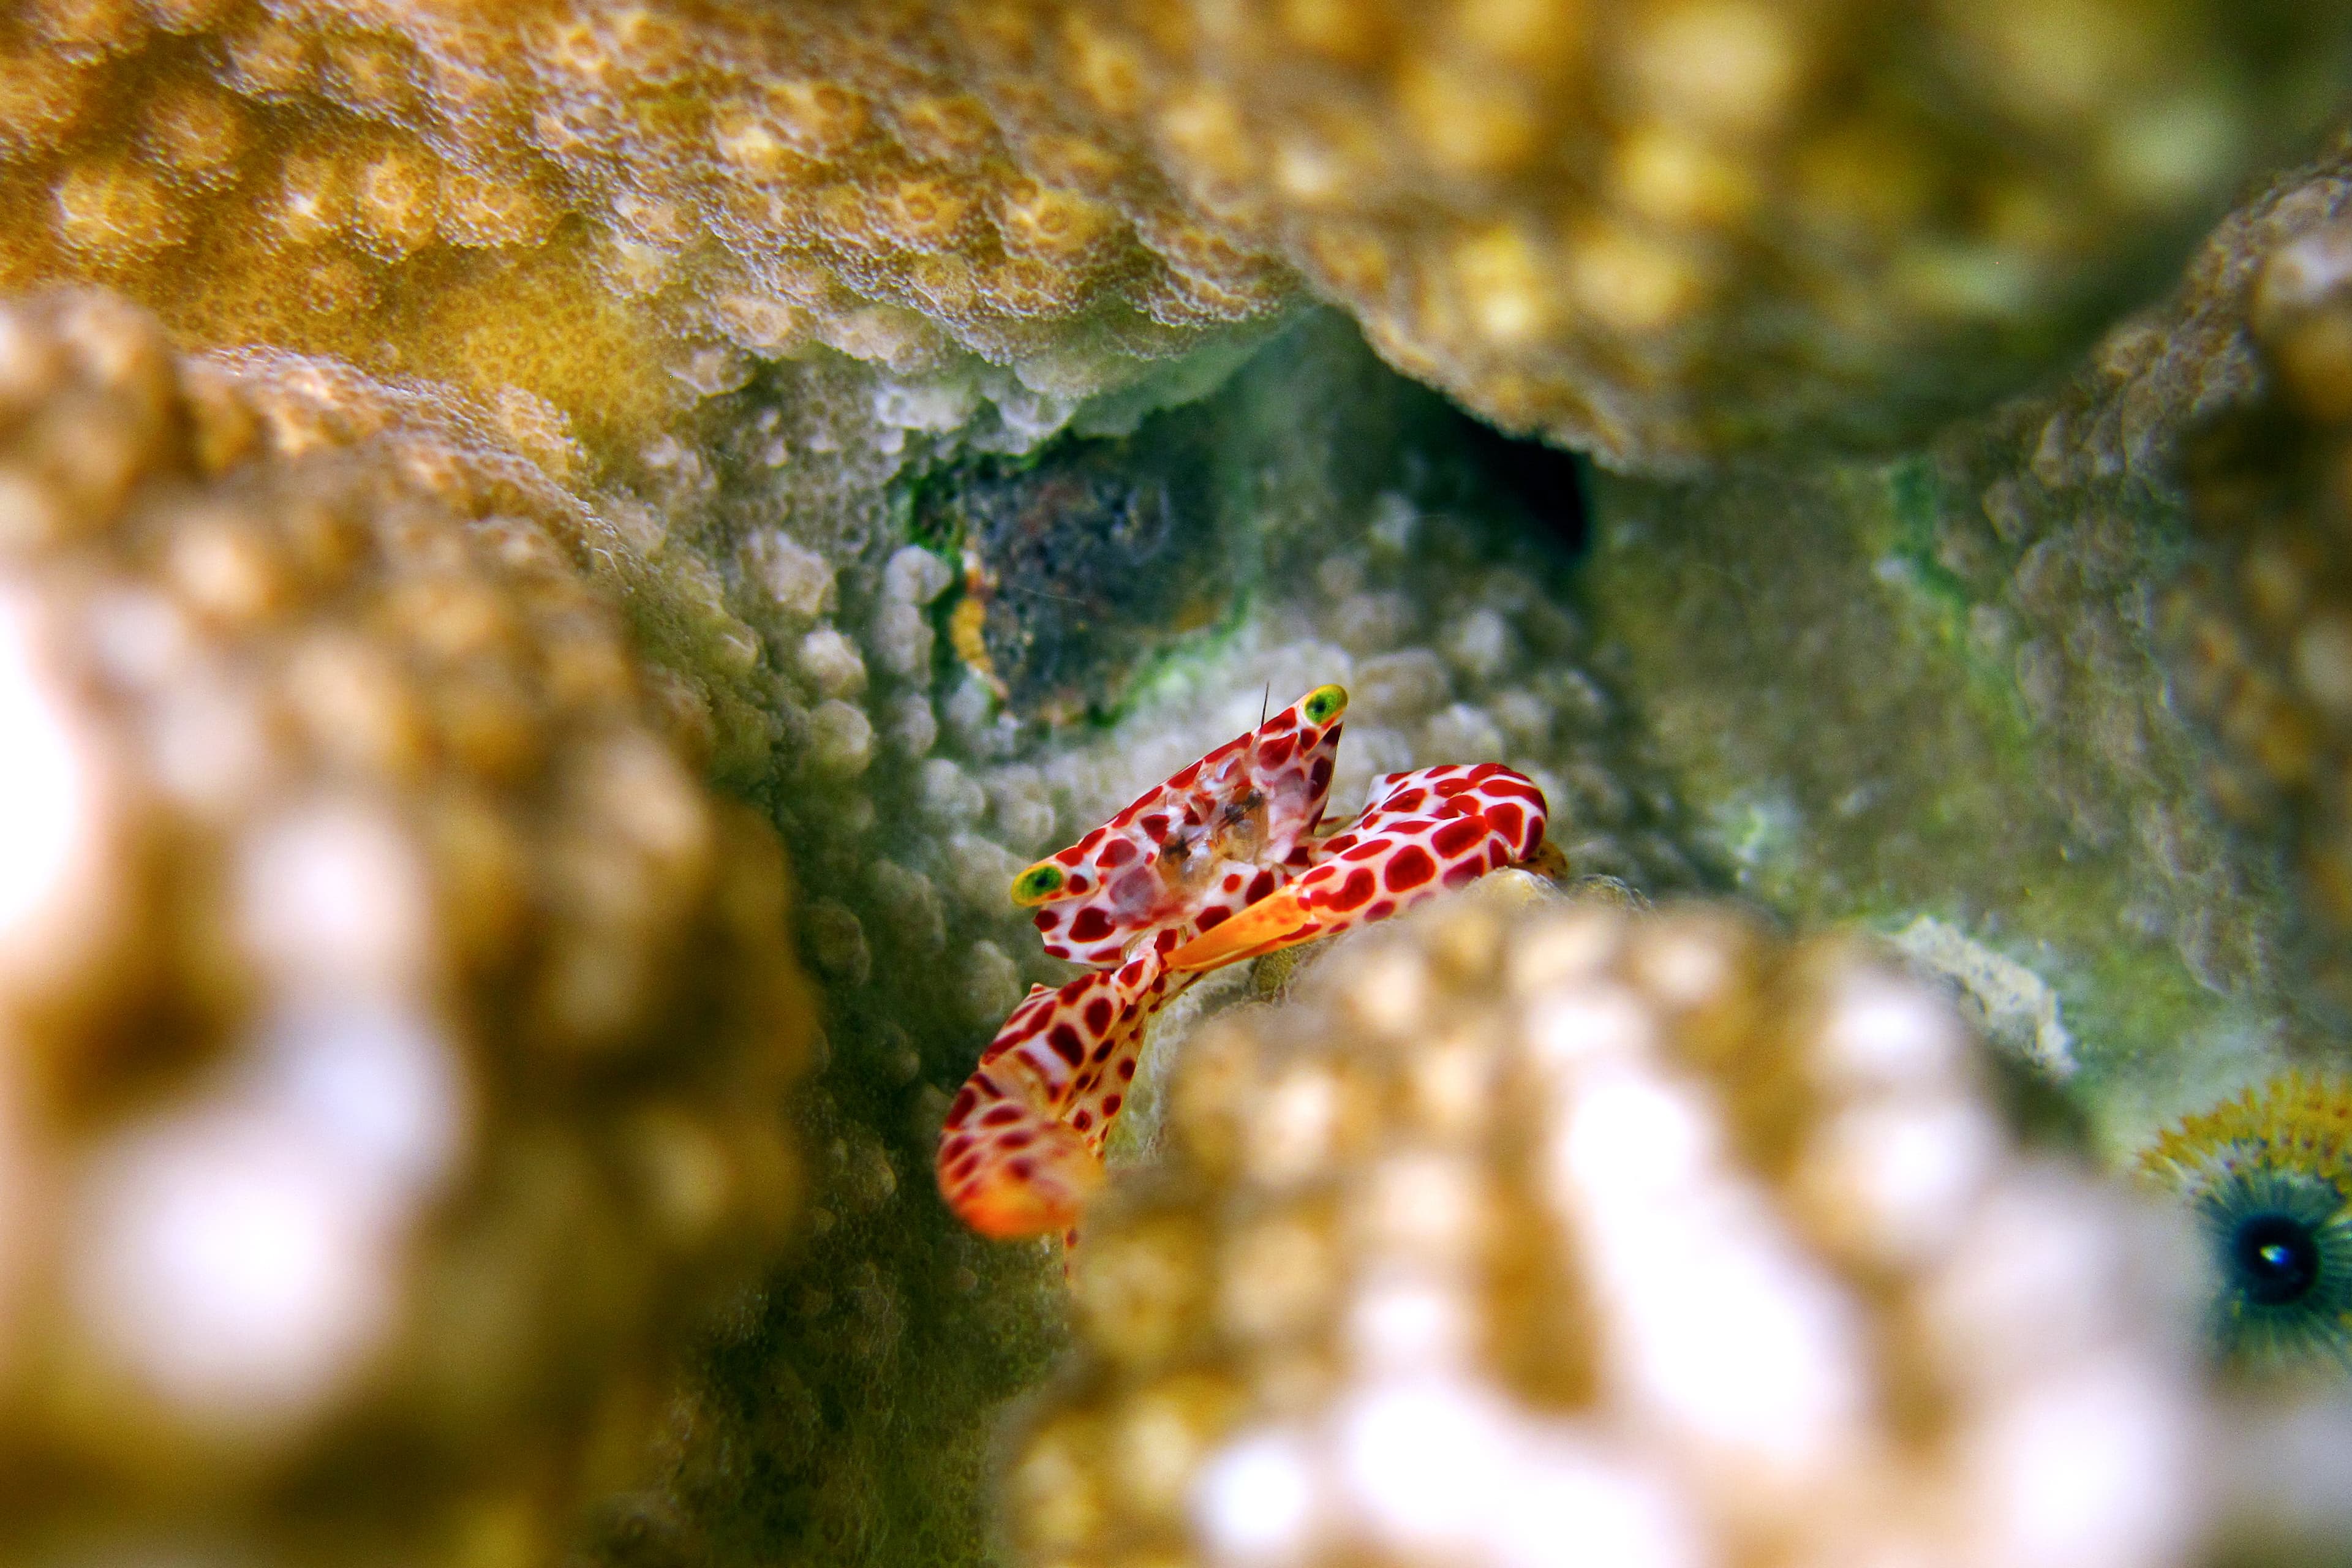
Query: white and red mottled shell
(1211, 840)
(1218, 864)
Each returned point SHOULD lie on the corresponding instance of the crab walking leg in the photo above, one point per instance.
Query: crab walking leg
(1216, 837)
(1425, 832)
(1021, 1150)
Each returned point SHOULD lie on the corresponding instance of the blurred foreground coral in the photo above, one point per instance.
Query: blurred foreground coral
(393, 1031)
(1525, 1227)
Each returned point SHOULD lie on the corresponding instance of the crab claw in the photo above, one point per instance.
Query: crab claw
(1051, 1179)
(1282, 919)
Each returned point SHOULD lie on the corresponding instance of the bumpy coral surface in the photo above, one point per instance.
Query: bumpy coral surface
(2269, 1177)
(395, 1033)
(1529, 1225)
(2264, 625)
(1660, 229)
(612, 205)
(1656, 229)
(1361, 537)
(1955, 687)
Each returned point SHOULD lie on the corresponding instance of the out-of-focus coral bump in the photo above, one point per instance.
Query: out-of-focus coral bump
(1526, 1220)
(396, 1030)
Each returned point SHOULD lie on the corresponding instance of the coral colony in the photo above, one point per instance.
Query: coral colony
(557, 558)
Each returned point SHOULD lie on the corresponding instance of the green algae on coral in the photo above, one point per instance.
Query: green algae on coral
(1866, 725)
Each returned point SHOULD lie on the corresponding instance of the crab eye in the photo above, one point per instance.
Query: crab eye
(1037, 884)
(1325, 704)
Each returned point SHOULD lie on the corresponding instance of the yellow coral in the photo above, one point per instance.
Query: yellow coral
(1656, 227)
(1664, 228)
(396, 1031)
(575, 199)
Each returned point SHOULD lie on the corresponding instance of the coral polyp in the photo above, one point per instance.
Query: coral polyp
(2269, 1177)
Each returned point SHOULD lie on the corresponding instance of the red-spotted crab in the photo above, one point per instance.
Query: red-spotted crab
(1219, 863)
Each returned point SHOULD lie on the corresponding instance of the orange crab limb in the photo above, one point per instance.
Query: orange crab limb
(1280, 920)
(1425, 832)
(1021, 1148)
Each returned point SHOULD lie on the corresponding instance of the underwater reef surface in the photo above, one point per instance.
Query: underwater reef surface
(1653, 229)
(1959, 686)
(930, 400)
(2262, 625)
(1339, 523)
(396, 1031)
(1662, 231)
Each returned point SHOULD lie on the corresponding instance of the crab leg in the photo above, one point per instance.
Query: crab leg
(1425, 832)
(1021, 1146)
(1218, 864)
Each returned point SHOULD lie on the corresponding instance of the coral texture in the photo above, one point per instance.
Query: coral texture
(2263, 624)
(1955, 686)
(1357, 533)
(395, 1032)
(612, 205)
(2269, 1177)
(1663, 229)
(1659, 230)
(1531, 1223)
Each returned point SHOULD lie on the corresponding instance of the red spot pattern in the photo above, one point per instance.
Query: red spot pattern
(1408, 868)
(1456, 838)
(1356, 892)
(1058, 1047)
(1507, 820)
